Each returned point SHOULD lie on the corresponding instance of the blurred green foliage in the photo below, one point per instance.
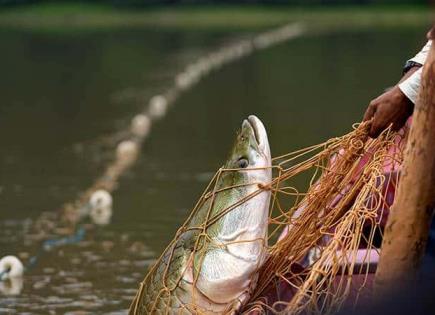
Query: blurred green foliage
(262, 2)
(85, 16)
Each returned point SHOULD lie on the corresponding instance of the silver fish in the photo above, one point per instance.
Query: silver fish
(211, 265)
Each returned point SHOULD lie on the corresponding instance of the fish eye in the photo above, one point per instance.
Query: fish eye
(243, 163)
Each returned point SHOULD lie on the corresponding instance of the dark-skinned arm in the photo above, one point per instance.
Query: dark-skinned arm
(393, 107)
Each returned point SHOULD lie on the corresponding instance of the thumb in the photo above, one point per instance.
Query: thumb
(377, 125)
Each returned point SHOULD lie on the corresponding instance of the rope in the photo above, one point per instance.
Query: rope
(47, 246)
(338, 214)
(131, 138)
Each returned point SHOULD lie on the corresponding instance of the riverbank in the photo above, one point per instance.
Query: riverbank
(83, 17)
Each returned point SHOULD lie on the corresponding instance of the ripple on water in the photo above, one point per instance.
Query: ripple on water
(101, 273)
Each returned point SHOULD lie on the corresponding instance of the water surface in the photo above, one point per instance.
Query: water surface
(63, 95)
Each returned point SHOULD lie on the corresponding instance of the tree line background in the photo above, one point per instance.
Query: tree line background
(263, 2)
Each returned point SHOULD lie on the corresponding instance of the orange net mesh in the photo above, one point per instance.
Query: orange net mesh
(328, 207)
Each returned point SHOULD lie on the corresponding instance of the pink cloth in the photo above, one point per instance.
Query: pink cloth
(361, 284)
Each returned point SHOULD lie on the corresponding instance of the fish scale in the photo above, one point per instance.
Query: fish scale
(213, 261)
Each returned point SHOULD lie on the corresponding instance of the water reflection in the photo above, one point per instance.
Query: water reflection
(293, 88)
(11, 286)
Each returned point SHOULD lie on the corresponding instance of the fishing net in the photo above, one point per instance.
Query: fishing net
(330, 235)
(329, 203)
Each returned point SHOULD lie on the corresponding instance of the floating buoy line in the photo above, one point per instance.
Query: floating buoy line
(96, 202)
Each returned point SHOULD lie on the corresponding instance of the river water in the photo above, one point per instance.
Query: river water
(64, 95)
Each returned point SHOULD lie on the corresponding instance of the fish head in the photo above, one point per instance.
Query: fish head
(242, 202)
(223, 243)
(250, 155)
(236, 245)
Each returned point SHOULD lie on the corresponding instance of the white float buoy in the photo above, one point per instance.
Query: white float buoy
(11, 286)
(100, 199)
(101, 216)
(127, 150)
(194, 71)
(216, 60)
(140, 125)
(183, 81)
(202, 66)
(157, 106)
(10, 267)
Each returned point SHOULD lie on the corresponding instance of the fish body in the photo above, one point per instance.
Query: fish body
(211, 265)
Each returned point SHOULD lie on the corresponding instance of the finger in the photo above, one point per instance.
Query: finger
(370, 112)
(377, 126)
(375, 131)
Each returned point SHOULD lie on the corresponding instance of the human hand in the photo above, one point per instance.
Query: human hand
(392, 107)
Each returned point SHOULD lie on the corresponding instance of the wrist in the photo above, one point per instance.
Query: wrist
(410, 65)
(402, 99)
(406, 108)
(409, 72)
(411, 85)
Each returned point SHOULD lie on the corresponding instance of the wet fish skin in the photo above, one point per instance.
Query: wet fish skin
(211, 269)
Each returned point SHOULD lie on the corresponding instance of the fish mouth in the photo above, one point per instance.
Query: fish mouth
(258, 130)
